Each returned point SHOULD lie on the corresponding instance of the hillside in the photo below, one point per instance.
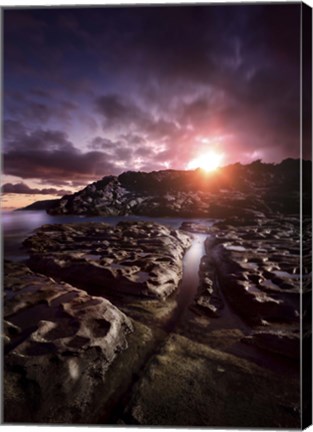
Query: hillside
(235, 189)
(40, 205)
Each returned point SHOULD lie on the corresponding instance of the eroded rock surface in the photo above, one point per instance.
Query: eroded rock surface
(277, 340)
(258, 268)
(60, 343)
(253, 264)
(204, 373)
(209, 298)
(190, 384)
(240, 334)
(140, 258)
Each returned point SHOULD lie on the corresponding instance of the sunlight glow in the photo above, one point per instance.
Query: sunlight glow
(208, 162)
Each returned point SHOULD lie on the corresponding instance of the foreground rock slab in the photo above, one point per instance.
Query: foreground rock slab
(137, 258)
(59, 345)
(190, 384)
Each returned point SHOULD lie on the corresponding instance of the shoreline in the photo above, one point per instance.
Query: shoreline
(197, 330)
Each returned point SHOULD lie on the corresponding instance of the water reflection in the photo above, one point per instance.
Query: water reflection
(189, 284)
(190, 281)
(15, 222)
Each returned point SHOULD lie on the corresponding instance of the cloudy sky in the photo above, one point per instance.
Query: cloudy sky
(90, 92)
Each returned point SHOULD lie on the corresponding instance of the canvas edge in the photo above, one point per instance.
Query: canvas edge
(306, 188)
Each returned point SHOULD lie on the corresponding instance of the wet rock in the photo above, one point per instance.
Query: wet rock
(189, 384)
(58, 341)
(279, 341)
(195, 227)
(207, 302)
(257, 267)
(142, 259)
(208, 298)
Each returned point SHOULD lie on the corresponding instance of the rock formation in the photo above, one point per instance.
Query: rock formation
(114, 348)
(58, 340)
(142, 259)
(200, 386)
(232, 190)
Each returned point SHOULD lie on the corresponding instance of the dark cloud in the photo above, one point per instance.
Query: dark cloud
(121, 113)
(13, 130)
(39, 139)
(133, 139)
(36, 111)
(144, 151)
(137, 87)
(38, 92)
(65, 183)
(117, 111)
(101, 143)
(50, 155)
(126, 150)
(23, 188)
(38, 107)
(58, 164)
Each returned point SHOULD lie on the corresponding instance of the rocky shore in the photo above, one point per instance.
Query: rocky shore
(254, 267)
(107, 333)
(190, 384)
(142, 259)
(97, 328)
(241, 332)
(59, 343)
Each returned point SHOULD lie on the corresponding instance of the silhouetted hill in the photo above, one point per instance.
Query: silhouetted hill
(234, 189)
(41, 205)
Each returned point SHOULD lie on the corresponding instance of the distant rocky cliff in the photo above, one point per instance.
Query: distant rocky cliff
(235, 189)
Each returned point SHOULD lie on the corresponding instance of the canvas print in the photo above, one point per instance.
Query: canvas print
(156, 215)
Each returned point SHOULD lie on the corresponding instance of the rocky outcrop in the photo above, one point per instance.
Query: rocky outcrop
(188, 373)
(277, 340)
(246, 190)
(258, 268)
(59, 345)
(250, 280)
(140, 259)
(242, 316)
(221, 342)
(253, 265)
(189, 384)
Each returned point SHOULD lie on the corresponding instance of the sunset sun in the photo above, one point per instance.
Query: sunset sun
(208, 162)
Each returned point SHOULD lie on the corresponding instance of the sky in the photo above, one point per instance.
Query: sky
(90, 92)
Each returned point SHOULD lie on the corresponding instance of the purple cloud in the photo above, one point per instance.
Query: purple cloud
(22, 188)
